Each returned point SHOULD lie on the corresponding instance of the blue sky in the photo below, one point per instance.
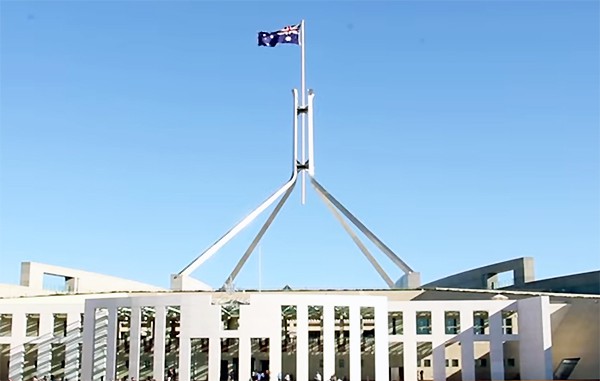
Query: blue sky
(134, 134)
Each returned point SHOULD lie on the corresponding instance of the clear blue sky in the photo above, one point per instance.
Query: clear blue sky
(134, 134)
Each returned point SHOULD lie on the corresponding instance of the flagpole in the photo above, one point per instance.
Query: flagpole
(303, 100)
(259, 268)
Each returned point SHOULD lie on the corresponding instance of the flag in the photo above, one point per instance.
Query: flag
(287, 35)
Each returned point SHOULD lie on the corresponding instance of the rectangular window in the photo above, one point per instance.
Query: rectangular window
(58, 353)
(147, 332)
(480, 322)
(427, 363)
(259, 349)
(230, 316)
(230, 346)
(288, 330)
(367, 315)
(452, 319)
(423, 322)
(342, 335)
(60, 325)
(29, 361)
(455, 363)
(508, 322)
(565, 368)
(395, 323)
(315, 336)
(33, 325)
(5, 325)
(199, 359)
(172, 336)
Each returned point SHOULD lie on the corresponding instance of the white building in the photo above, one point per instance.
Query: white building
(91, 332)
(102, 328)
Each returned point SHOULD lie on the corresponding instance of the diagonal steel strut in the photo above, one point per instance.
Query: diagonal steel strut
(357, 240)
(370, 235)
(259, 236)
(205, 255)
(236, 229)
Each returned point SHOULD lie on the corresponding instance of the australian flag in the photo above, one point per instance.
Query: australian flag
(287, 35)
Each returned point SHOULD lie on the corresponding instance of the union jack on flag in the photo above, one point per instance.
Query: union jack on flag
(286, 35)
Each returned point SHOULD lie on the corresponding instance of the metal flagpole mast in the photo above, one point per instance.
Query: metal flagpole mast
(303, 115)
(259, 268)
(303, 100)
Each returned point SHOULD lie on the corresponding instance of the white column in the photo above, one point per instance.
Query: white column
(355, 351)
(214, 358)
(409, 320)
(467, 350)
(438, 330)
(111, 345)
(135, 325)
(274, 354)
(17, 349)
(44, 355)
(302, 342)
(535, 338)
(160, 322)
(87, 357)
(72, 346)
(328, 341)
(496, 346)
(382, 347)
(185, 352)
(244, 358)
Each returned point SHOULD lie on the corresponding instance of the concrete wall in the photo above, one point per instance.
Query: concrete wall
(28, 341)
(260, 318)
(13, 291)
(584, 283)
(578, 336)
(478, 278)
(575, 328)
(32, 276)
(30, 345)
(536, 339)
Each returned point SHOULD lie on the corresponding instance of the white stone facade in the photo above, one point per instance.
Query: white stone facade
(39, 346)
